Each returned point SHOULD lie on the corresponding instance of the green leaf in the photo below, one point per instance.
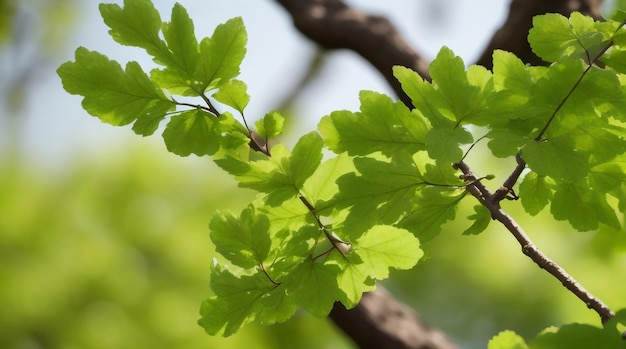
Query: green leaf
(283, 175)
(314, 286)
(138, 24)
(582, 207)
(233, 94)
(182, 58)
(434, 206)
(271, 125)
(507, 340)
(240, 300)
(383, 247)
(222, 54)
(305, 158)
(458, 98)
(579, 336)
(505, 142)
(322, 185)
(510, 73)
(609, 175)
(443, 143)
(381, 126)
(551, 37)
(115, 96)
(557, 158)
(243, 240)
(481, 218)
(380, 194)
(535, 192)
(194, 131)
(266, 176)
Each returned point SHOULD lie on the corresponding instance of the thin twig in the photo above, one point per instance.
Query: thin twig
(528, 247)
(508, 184)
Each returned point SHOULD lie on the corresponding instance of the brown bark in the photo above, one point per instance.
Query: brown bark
(513, 34)
(379, 320)
(332, 25)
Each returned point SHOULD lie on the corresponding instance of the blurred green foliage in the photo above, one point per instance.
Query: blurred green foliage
(114, 253)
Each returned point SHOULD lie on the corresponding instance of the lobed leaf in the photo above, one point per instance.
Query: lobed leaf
(383, 247)
(115, 96)
(381, 126)
(196, 132)
(271, 125)
(481, 219)
(243, 240)
(222, 54)
(535, 192)
(138, 24)
(507, 340)
(233, 94)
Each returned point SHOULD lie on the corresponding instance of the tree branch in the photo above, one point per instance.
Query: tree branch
(529, 248)
(379, 321)
(513, 35)
(334, 25)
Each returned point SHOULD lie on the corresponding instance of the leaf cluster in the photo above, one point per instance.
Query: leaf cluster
(324, 228)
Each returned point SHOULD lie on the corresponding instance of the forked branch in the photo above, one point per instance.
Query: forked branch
(528, 247)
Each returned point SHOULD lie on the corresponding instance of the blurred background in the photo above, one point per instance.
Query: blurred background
(104, 234)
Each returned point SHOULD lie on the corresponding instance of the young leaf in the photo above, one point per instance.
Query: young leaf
(178, 76)
(194, 131)
(381, 126)
(457, 98)
(243, 240)
(551, 37)
(305, 158)
(535, 192)
(222, 54)
(283, 175)
(137, 23)
(322, 185)
(240, 300)
(481, 219)
(271, 125)
(507, 340)
(233, 94)
(115, 96)
(383, 247)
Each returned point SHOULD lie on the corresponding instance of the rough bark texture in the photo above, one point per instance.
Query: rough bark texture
(380, 321)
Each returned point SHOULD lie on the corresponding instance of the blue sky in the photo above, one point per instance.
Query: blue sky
(57, 128)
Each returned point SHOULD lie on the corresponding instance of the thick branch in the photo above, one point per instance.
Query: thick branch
(513, 35)
(333, 25)
(379, 321)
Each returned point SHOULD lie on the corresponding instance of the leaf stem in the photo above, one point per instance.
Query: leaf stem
(483, 195)
(196, 106)
(210, 105)
(262, 267)
(590, 64)
(337, 244)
